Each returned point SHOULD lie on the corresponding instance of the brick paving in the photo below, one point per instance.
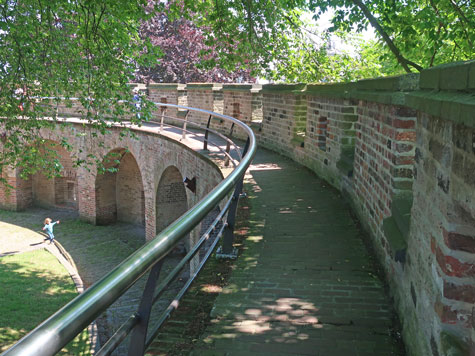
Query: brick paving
(304, 284)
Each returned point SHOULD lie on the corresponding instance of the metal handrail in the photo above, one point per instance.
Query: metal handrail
(55, 332)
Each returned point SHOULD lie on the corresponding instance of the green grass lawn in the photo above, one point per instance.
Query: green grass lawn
(34, 285)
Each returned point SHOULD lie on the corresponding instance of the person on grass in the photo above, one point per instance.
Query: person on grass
(49, 228)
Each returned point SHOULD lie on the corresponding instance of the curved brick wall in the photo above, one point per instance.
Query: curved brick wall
(401, 150)
(128, 195)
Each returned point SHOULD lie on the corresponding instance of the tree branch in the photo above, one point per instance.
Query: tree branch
(374, 22)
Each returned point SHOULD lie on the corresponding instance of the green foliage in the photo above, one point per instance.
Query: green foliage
(427, 32)
(63, 50)
(415, 34)
(325, 58)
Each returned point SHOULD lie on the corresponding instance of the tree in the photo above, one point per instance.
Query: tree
(417, 33)
(184, 57)
(64, 49)
(316, 56)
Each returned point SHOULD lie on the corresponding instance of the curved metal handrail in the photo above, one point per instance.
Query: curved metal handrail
(55, 332)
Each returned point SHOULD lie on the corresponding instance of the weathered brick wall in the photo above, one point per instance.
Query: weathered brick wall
(384, 160)
(330, 135)
(200, 96)
(240, 102)
(171, 200)
(440, 268)
(440, 272)
(19, 196)
(402, 150)
(168, 94)
(284, 118)
(129, 194)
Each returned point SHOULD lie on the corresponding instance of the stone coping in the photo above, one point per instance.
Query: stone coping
(165, 86)
(201, 86)
(242, 87)
(450, 76)
(452, 106)
(284, 88)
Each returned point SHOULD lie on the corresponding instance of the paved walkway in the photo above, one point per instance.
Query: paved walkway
(304, 284)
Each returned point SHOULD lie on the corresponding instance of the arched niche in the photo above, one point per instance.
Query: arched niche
(171, 201)
(60, 190)
(119, 190)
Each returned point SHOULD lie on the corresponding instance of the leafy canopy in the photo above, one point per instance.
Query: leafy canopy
(415, 34)
(81, 49)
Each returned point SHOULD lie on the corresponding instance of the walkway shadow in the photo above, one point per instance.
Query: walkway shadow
(304, 283)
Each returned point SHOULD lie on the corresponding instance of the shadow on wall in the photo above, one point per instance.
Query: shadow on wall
(57, 191)
(119, 190)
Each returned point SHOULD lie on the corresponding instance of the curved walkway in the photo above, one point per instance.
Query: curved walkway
(304, 283)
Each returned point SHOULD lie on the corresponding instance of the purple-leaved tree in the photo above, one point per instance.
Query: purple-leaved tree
(185, 55)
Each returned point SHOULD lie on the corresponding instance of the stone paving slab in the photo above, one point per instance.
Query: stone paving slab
(305, 283)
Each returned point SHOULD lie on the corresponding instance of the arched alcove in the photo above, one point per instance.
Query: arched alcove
(119, 191)
(60, 190)
(171, 201)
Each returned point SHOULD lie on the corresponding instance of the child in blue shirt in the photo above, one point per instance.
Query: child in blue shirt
(49, 228)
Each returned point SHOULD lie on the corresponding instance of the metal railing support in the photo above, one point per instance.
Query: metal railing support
(139, 334)
(183, 136)
(163, 110)
(205, 142)
(228, 146)
(227, 250)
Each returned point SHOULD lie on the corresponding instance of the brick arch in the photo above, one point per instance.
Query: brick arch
(120, 193)
(61, 190)
(171, 200)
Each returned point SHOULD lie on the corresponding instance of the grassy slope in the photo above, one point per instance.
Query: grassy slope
(34, 285)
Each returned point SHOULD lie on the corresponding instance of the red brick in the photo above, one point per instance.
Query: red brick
(406, 136)
(404, 124)
(453, 267)
(445, 313)
(459, 242)
(463, 293)
(403, 160)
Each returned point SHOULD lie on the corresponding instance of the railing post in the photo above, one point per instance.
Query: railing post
(183, 136)
(205, 142)
(227, 250)
(139, 334)
(228, 146)
(163, 110)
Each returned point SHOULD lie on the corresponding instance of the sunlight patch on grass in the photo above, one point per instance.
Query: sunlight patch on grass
(34, 286)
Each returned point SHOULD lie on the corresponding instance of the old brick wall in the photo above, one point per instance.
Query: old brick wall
(284, 118)
(168, 94)
(19, 196)
(171, 201)
(200, 96)
(401, 149)
(384, 160)
(129, 194)
(239, 102)
(330, 135)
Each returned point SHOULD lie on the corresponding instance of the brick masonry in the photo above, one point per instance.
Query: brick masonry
(130, 194)
(381, 142)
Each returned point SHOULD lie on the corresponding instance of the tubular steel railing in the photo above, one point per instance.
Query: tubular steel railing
(54, 333)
